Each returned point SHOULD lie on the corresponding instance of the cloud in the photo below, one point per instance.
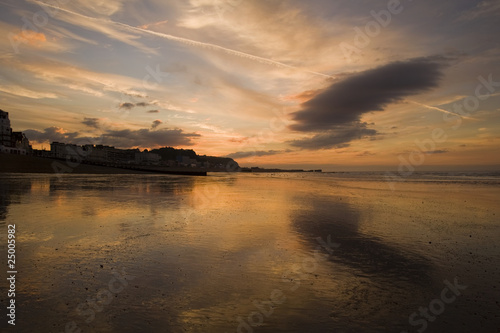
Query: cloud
(244, 154)
(248, 26)
(335, 138)
(23, 92)
(135, 94)
(303, 96)
(129, 106)
(147, 138)
(437, 151)
(101, 23)
(51, 134)
(112, 29)
(156, 123)
(482, 9)
(30, 37)
(148, 25)
(91, 122)
(125, 138)
(105, 8)
(366, 153)
(126, 105)
(345, 101)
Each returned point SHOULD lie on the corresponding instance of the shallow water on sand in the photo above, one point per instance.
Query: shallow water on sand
(252, 253)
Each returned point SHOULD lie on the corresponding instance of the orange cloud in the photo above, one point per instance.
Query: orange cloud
(30, 37)
(147, 26)
(303, 96)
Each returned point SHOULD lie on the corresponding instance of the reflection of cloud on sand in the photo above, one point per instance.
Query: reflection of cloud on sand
(372, 276)
(364, 254)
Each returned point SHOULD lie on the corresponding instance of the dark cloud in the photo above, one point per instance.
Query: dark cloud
(345, 101)
(156, 123)
(244, 154)
(438, 151)
(148, 138)
(119, 138)
(91, 122)
(129, 106)
(153, 111)
(126, 105)
(51, 134)
(336, 138)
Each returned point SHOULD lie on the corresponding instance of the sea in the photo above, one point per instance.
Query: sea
(250, 252)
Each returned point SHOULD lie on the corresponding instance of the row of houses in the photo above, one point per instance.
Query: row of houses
(102, 154)
(12, 142)
(107, 154)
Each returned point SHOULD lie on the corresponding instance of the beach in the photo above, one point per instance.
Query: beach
(243, 252)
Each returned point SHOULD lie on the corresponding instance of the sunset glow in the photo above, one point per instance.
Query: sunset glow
(319, 84)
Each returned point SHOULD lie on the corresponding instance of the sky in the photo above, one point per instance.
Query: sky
(337, 85)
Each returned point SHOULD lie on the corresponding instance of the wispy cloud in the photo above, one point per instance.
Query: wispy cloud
(24, 92)
(439, 109)
(482, 9)
(255, 153)
(154, 24)
(104, 27)
(79, 79)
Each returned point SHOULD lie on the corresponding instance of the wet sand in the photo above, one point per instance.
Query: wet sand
(252, 253)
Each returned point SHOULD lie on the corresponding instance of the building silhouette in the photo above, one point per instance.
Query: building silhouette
(12, 142)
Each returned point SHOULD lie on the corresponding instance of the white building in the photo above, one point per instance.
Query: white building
(5, 130)
(12, 142)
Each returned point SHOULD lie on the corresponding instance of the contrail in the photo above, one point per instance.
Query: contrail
(439, 109)
(189, 41)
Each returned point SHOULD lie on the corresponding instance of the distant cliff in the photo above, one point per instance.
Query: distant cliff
(170, 153)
